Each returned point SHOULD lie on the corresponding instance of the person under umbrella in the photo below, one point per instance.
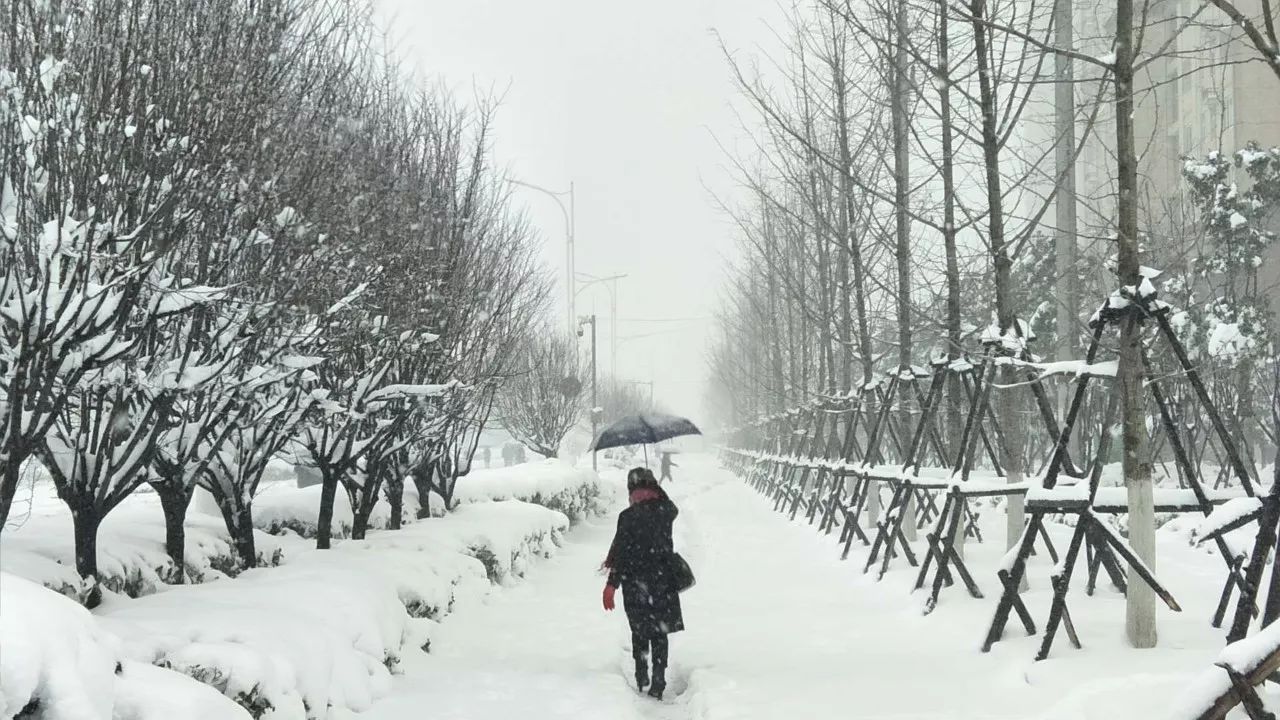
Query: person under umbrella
(640, 562)
(667, 464)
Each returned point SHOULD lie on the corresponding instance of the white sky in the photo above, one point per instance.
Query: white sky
(627, 100)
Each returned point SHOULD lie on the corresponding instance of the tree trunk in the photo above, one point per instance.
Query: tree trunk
(446, 489)
(1002, 265)
(239, 522)
(1247, 440)
(422, 481)
(360, 522)
(10, 476)
(328, 495)
(395, 498)
(775, 348)
(85, 521)
(1067, 289)
(1014, 427)
(174, 502)
(955, 393)
(1140, 606)
(902, 251)
(872, 511)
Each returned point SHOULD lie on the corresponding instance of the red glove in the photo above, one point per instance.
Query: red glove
(608, 596)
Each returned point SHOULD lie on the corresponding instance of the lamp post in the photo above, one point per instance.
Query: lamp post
(569, 222)
(612, 281)
(595, 415)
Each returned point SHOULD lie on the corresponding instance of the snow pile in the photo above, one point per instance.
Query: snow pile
(59, 663)
(554, 484)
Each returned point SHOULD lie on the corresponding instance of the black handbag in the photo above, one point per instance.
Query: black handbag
(681, 573)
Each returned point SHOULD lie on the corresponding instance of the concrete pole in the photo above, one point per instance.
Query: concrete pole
(595, 417)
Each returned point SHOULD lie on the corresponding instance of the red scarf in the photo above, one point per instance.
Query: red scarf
(638, 495)
(642, 494)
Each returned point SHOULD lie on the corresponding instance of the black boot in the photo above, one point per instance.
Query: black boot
(659, 685)
(639, 651)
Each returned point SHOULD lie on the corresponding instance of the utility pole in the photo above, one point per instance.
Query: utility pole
(572, 259)
(613, 325)
(595, 415)
(587, 280)
(570, 228)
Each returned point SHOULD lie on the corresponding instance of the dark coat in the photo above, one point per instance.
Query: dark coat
(640, 561)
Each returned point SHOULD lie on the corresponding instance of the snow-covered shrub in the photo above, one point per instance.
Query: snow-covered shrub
(150, 692)
(322, 631)
(295, 639)
(578, 493)
(132, 559)
(59, 663)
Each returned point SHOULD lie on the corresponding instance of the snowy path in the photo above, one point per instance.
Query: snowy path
(540, 649)
(779, 627)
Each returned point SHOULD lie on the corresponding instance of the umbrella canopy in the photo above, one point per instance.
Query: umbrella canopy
(643, 429)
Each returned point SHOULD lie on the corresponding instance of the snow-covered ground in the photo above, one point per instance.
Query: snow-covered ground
(778, 626)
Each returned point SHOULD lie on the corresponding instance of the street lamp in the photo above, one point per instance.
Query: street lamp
(612, 286)
(595, 415)
(569, 218)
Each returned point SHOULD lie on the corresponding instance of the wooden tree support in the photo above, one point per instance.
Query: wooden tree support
(942, 554)
(1101, 544)
(852, 511)
(829, 458)
(942, 550)
(890, 534)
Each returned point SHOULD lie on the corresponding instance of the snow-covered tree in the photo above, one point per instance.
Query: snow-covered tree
(93, 192)
(542, 400)
(1228, 317)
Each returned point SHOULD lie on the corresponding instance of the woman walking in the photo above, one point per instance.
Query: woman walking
(641, 561)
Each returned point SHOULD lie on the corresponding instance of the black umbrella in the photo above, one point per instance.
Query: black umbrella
(644, 430)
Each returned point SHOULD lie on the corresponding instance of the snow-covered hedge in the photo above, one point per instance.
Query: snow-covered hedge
(131, 553)
(576, 492)
(60, 663)
(295, 640)
(322, 632)
(554, 484)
